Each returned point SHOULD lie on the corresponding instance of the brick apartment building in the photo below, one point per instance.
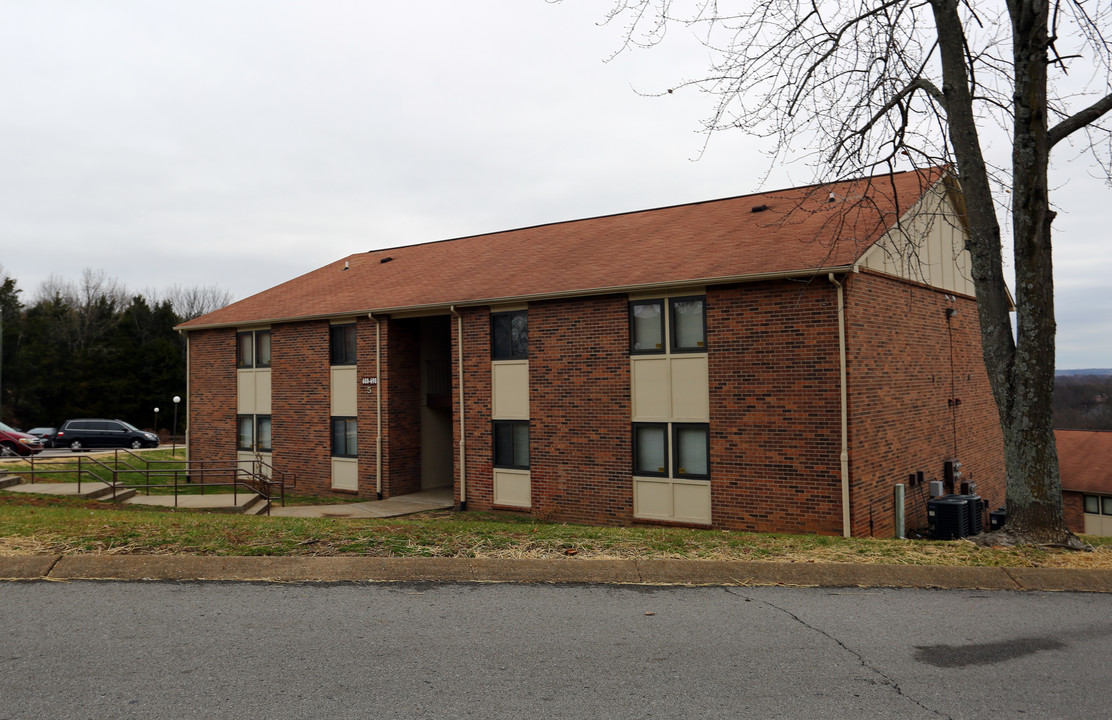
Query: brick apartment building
(1085, 463)
(772, 362)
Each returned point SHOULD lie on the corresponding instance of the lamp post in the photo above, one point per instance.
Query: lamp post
(156, 421)
(174, 451)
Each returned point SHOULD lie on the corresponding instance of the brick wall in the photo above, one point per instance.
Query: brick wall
(477, 411)
(401, 453)
(300, 403)
(579, 405)
(774, 407)
(212, 396)
(367, 404)
(1074, 505)
(902, 419)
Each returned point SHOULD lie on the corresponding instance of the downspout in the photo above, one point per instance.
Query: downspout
(378, 405)
(847, 530)
(462, 412)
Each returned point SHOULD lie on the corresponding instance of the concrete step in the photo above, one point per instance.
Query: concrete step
(122, 494)
(7, 481)
(257, 506)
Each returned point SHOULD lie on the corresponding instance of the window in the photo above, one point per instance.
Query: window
(511, 444)
(1098, 504)
(687, 325)
(646, 321)
(343, 437)
(262, 348)
(650, 449)
(691, 446)
(509, 335)
(245, 433)
(689, 450)
(253, 433)
(342, 344)
(253, 349)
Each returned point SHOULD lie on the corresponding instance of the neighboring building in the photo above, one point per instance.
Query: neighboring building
(1085, 464)
(773, 362)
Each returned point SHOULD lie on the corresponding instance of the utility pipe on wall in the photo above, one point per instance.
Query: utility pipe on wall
(846, 528)
(378, 405)
(462, 412)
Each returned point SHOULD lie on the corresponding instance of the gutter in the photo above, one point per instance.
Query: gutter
(847, 529)
(378, 404)
(448, 306)
(462, 412)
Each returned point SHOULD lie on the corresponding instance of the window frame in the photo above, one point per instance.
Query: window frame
(241, 362)
(668, 325)
(673, 345)
(659, 302)
(352, 452)
(638, 472)
(343, 358)
(677, 471)
(250, 423)
(259, 335)
(495, 445)
(508, 353)
(255, 446)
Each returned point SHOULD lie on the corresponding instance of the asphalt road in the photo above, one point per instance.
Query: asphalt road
(423, 650)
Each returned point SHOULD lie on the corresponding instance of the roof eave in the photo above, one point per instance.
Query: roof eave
(535, 297)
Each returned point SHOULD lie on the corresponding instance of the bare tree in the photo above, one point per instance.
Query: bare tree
(879, 85)
(191, 302)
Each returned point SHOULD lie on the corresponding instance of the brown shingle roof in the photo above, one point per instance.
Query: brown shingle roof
(807, 229)
(1085, 460)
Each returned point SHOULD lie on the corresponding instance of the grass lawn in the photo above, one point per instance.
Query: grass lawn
(49, 525)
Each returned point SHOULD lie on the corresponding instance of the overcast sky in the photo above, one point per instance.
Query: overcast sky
(241, 143)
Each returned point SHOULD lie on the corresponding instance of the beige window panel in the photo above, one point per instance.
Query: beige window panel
(345, 474)
(344, 391)
(675, 500)
(512, 488)
(253, 392)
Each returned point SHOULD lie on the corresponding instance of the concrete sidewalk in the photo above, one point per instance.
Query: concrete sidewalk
(554, 570)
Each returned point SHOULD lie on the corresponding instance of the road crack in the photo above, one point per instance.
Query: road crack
(886, 679)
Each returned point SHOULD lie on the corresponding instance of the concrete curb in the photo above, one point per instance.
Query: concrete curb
(555, 570)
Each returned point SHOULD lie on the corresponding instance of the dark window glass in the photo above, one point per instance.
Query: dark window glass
(511, 444)
(263, 432)
(650, 449)
(342, 343)
(262, 348)
(245, 432)
(1092, 504)
(343, 437)
(690, 444)
(689, 324)
(1106, 505)
(646, 326)
(245, 350)
(509, 335)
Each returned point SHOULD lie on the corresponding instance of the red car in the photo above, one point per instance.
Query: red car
(14, 442)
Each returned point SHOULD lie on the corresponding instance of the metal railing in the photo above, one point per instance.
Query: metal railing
(129, 471)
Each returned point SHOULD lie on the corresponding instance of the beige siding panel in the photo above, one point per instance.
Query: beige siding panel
(1099, 525)
(690, 388)
(512, 488)
(691, 501)
(652, 498)
(245, 392)
(651, 388)
(262, 392)
(345, 391)
(675, 500)
(510, 389)
(245, 460)
(345, 474)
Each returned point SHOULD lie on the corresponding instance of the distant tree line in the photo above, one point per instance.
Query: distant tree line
(1083, 402)
(90, 348)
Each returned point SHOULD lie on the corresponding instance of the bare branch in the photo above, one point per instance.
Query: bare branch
(1080, 119)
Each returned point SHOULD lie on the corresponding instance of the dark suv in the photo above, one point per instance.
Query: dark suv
(96, 433)
(14, 442)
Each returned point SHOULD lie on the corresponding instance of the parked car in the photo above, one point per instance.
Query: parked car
(86, 433)
(14, 442)
(46, 434)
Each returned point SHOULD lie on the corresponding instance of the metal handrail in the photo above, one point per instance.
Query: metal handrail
(259, 479)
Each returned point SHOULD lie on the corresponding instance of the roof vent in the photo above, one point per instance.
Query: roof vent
(831, 198)
(345, 264)
(385, 259)
(759, 208)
